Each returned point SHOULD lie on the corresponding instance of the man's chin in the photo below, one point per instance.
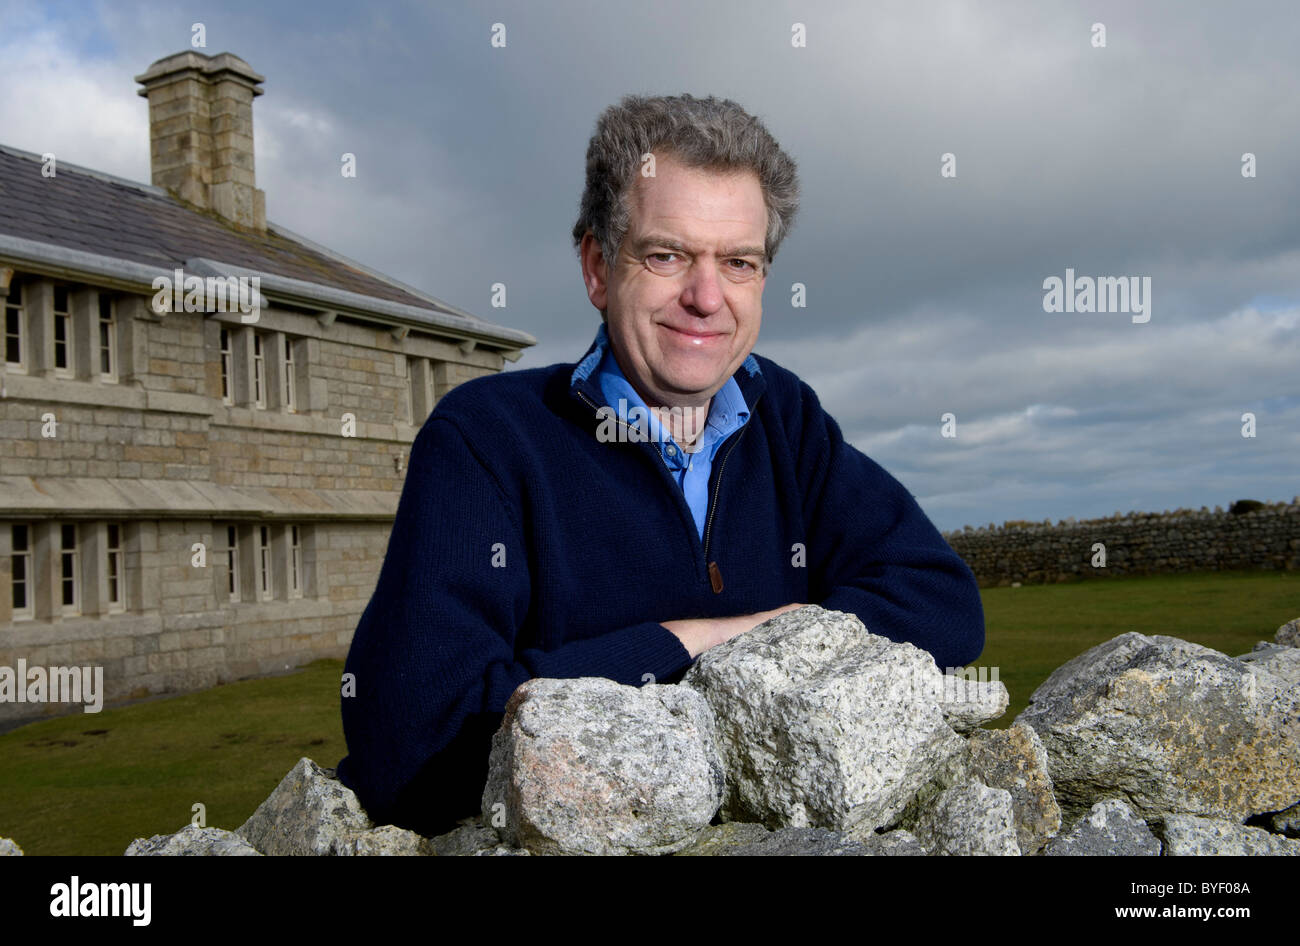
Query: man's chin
(688, 389)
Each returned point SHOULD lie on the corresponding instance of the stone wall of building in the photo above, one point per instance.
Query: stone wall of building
(174, 461)
(184, 636)
(1184, 540)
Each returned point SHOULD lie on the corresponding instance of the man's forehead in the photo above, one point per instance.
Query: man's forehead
(698, 208)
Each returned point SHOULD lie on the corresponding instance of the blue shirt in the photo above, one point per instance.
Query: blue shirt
(727, 414)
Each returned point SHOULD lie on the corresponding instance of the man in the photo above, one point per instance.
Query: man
(619, 516)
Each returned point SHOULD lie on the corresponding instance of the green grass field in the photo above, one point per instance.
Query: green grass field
(91, 783)
(1034, 629)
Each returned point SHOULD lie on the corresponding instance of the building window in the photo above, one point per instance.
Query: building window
(410, 388)
(290, 397)
(21, 583)
(69, 569)
(264, 370)
(107, 339)
(259, 372)
(227, 367)
(420, 371)
(62, 332)
(13, 307)
(295, 563)
(232, 560)
(264, 559)
(113, 567)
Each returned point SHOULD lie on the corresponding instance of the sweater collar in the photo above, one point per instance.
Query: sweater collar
(748, 376)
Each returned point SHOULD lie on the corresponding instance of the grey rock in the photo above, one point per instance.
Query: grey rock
(745, 839)
(1106, 659)
(310, 812)
(967, 704)
(1280, 661)
(385, 841)
(471, 838)
(1014, 759)
(954, 770)
(1110, 828)
(1170, 726)
(1187, 835)
(1260, 650)
(969, 819)
(898, 843)
(720, 838)
(1289, 633)
(590, 766)
(9, 848)
(193, 841)
(823, 724)
(468, 840)
(799, 842)
(1286, 822)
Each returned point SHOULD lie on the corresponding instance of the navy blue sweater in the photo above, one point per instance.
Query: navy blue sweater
(524, 546)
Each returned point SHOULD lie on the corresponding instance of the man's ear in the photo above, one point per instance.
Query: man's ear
(595, 271)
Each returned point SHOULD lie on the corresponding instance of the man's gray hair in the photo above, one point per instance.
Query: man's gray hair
(711, 133)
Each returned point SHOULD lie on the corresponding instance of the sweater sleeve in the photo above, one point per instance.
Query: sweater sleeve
(435, 655)
(873, 552)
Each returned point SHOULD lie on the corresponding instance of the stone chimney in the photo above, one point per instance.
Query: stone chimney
(201, 132)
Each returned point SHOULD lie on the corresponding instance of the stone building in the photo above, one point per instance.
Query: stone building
(198, 487)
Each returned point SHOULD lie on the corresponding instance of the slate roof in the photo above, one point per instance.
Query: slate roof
(84, 210)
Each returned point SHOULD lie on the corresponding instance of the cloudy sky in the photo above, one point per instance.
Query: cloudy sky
(924, 292)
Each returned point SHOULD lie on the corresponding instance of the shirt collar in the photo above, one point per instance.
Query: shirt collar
(730, 400)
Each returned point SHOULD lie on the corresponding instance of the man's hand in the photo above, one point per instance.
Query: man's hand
(699, 634)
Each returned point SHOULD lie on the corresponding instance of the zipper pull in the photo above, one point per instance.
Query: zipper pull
(715, 578)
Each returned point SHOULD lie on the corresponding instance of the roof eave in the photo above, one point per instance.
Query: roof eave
(126, 275)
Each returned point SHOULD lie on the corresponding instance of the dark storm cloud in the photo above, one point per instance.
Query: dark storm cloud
(924, 293)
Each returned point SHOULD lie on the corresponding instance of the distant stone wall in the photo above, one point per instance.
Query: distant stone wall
(1135, 544)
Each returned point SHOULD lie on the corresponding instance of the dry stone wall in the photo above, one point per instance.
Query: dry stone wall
(1184, 540)
(810, 735)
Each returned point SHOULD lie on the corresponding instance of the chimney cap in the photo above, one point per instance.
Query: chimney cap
(213, 68)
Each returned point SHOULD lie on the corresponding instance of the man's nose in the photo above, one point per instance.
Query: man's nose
(703, 288)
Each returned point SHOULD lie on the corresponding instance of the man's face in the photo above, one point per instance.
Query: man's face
(684, 296)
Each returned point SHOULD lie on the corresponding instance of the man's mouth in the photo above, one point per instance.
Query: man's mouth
(694, 334)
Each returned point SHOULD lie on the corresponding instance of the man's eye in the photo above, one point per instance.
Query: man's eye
(744, 262)
(665, 263)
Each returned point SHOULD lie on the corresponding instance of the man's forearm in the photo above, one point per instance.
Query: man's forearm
(700, 634)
